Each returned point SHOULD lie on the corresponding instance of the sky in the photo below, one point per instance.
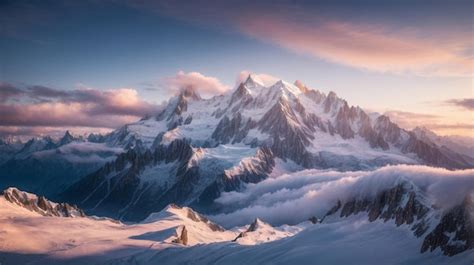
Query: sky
(94, 65)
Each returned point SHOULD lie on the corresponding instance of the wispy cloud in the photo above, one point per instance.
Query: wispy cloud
(368, 47)
(374, 44)
(39, 106)
(410, 120)
(206, 86)
(8, 91)
(266, 79)
(466, 103)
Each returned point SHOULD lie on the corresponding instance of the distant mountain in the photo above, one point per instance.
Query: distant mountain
(197, 148)
(40, 204)
(459, 144)
(8, 148)
(47, 167)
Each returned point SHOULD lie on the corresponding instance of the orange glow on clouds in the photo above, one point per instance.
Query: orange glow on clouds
(369, 47)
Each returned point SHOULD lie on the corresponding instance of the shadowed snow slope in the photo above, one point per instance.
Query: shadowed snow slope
(393, 215)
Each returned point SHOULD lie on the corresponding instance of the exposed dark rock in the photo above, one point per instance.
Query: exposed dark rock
(343, 120)
(182, 237)
(199, 218)
(330, 101)
(387, 129)
(252, 228)
(454, 233)
(41, 205)
(234, 130)
(368, 133)
(67, 138)
(188, 120)
(388, 205)
(314, 220)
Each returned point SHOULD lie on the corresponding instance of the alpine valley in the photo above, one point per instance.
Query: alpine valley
(279, 174)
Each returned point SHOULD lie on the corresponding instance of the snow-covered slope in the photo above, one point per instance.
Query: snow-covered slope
(139, 183)
(298, 123)
(259, 232)
(196, 148)
(29, 236)
(40, 204)
(393, 215)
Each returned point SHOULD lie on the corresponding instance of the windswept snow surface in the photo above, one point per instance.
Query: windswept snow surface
(350, 241)
(29, 238)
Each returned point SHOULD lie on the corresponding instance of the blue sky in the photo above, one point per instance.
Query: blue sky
(395, 57)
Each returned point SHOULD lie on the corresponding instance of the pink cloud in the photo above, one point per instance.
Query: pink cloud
(44, 107)
(205, 85)
(27, 132)
(266, 79)
(439, 124)
(374, 45)
(375, 48)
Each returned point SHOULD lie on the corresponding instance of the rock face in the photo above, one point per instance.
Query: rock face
(171, 157)
(252, 228)
(453, 232)
(199, 218)
(139, 183)
(184, 153)
(182, 237)
(41, 205)
(294, 121)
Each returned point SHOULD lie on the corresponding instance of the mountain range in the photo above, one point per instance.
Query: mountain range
(195, 149)
(259, 169)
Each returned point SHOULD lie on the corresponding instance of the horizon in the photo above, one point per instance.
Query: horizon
(241, 78)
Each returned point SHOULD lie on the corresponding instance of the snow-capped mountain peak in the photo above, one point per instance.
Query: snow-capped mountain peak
(253, 84)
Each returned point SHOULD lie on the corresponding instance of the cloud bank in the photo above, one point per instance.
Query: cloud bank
(293, 198)
(40, 106)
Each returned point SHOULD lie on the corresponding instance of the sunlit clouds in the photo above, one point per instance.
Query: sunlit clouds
(379, 45)
(293, 198)
(206, 86)
(364, 46)
(44, 107)
(441, 124)
(466, 103)
(265, 79)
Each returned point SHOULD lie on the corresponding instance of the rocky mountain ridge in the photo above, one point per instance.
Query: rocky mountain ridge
(197, 148)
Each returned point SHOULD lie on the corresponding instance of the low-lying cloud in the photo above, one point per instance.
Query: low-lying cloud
(293, 198)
